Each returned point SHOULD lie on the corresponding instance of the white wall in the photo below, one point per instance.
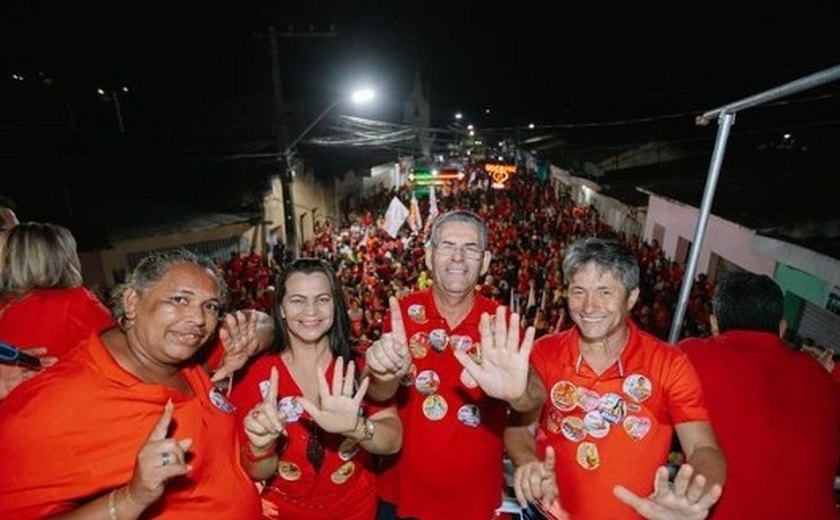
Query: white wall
(728, 240)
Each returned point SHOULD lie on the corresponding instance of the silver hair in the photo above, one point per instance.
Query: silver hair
(607, 255)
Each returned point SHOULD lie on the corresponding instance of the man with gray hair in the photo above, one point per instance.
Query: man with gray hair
(615, 397)
(453, 409)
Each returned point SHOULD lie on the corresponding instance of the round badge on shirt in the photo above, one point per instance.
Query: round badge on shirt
(638, 387)
(572, 428)
(595, 425)
(419, 344)
(637, 427)
(290, 407)
(588, 400)
(611, 407)
(417, 313)
(343, 473)
(220, 401)
(564, 396)
(435, 407)
(438, 338)
(427, 382)
(587, 456)
(288, 470)
(470, 415)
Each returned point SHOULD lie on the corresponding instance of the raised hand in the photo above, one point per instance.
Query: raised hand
(159, 460)
(239, 339)
(264, 423)
(388, 358)
(688, 499)
(503, 370)
(339, 407)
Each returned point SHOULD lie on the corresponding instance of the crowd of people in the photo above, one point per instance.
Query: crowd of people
(387, 377)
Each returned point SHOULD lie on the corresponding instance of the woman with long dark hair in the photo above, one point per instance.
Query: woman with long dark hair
(310, 435)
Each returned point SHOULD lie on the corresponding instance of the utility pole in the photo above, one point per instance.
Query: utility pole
(273, 36)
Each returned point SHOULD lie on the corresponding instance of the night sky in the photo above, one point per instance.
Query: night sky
(200, 86)
(522, 59)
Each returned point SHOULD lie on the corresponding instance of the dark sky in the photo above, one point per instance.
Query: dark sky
(524, 60)
(200, 83)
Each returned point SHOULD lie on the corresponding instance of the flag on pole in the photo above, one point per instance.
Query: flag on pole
(395, 217)
(415, 220)
(433, 209)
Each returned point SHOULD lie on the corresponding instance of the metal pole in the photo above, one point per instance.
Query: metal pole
(705, 207)
(814, 80)
(118, 111)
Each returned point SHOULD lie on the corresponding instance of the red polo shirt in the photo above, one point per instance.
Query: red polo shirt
(776, 416)
(451, 461)
(613, 428)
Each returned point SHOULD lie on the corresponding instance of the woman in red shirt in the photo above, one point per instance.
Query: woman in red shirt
(310, 438)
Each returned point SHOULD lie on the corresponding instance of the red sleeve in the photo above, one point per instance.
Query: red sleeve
(685, 396)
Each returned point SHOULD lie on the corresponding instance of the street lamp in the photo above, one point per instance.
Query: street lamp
(358, 97)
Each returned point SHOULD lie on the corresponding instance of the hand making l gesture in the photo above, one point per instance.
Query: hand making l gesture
(160, 459)
(536, 482)
(264, 423)
(388, 358)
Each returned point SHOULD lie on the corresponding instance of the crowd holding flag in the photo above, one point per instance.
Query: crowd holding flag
(395, 217)
(415, 220)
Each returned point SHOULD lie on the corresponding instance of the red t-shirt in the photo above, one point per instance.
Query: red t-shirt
(73, 434)
(450, 465)
(776, 416)
(57, 319)
(613, 428)
(345, 485)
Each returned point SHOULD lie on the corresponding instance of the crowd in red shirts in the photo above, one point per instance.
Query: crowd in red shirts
(531, 223)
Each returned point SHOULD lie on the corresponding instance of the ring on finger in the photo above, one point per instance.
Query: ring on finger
(165, 458)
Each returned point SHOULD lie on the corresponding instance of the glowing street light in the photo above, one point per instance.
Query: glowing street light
(358, 97)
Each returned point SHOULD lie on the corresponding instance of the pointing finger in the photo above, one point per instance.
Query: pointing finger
(397, 325)
(162, 427)
(273, 384)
